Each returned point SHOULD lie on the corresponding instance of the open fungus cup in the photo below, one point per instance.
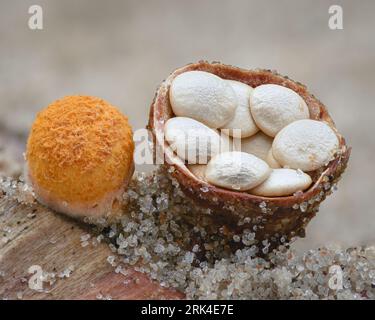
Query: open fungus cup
(277, 219)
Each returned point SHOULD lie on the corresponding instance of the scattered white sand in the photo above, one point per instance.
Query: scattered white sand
(153, 238)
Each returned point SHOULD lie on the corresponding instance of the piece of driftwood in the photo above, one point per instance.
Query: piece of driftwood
(34, 236)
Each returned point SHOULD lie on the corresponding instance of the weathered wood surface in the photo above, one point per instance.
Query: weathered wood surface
(34, 235)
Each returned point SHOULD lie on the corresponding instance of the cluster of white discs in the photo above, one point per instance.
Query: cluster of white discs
(260, 140)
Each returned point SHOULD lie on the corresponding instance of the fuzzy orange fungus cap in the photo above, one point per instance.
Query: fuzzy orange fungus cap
(80, 149)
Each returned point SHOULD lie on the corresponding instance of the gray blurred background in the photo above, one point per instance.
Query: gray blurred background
(122, 50)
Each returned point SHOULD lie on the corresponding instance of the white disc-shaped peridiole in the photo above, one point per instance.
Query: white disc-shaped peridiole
(283, 182)
(193, 141)
(305, 144)
(204, 97)
(242, 124)
(237, 171)
(258, 145)
(272, 161)
(273, 107)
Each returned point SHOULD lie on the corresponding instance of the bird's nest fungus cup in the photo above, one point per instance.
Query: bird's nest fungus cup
(228, 214)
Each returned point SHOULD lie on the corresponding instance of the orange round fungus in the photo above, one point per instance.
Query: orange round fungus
(80, 155)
